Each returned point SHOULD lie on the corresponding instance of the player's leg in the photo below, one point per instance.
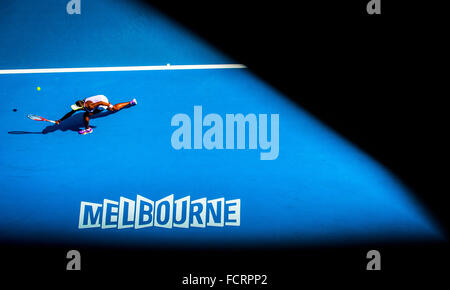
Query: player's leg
(86, 119)
(86, 124)
(120, 106)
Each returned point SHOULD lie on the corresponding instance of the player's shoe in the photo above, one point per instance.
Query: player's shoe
(133, 102)
(85, 131)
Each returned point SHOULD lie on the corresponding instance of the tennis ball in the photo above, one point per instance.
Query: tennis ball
(38, 88)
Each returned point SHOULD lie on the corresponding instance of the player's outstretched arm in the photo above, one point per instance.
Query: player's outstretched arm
(65, 117)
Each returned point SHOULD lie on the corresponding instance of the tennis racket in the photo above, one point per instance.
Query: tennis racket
(39, 118)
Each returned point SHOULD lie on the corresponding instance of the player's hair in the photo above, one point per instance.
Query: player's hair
(79, 103)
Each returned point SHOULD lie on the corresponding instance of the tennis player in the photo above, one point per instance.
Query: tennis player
(94, 105)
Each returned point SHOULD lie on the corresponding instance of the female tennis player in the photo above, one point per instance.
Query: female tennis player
(94, 105)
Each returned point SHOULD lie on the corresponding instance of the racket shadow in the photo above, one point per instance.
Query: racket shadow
(74, 123)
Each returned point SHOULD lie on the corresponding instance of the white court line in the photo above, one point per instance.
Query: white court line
(119, 68)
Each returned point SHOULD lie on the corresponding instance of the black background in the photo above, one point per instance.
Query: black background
(378, 80)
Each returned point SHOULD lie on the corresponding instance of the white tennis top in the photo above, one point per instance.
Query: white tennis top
(96, 99)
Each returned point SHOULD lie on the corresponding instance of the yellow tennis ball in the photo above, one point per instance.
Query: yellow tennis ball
(38, 88)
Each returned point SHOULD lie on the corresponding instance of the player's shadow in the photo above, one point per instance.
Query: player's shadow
(74, 123)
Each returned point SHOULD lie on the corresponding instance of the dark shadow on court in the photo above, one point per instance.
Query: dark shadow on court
(74, 123)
